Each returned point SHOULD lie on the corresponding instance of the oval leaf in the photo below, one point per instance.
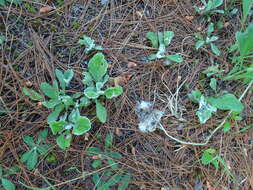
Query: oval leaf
(64, 140)
(7, 184)
(101, 112)
(49, 91)
(82, 125)
(97, 67)
(113, 92)
(32, 94)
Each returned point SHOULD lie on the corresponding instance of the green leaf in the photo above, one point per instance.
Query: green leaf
(57, 126)
(175, 58)
(60, 76)
(51, 103)
(29, 141)
(68, 75)
(246, 4)
(195, 96)
(124, 182)
(67, 100)
(226, 126)
(226, 102)
(87, 79)
(89, 44)
(7, 184)
(210, 29)
(113, 92)
(91, 93)
(82, 125)
(32, 94)
(96, 163)
(213, 84)
(84, 102)
(64, 140)
(167, 37)
(97, 67)
(2, 3)
(14, 169)
(101, 112)
(153, 38)
(212, 39)
(245, 41)
(49, 90)
(113, 180)
(115, 155)
(113, 164)
(108, 140)
(26, 156)
(205, 110)
(199, 44)
(93, 151)
(96, 180)
(207, 156)
(216, 3)
(54, 115)
(32, 161)
(215, 49)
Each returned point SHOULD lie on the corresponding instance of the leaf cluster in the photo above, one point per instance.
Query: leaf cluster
(210, 7)
(112, 176)
(160, 41)
(89, 44)
(30, 158)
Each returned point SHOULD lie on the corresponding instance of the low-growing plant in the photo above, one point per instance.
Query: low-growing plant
(209, 105)
(89, 44)
(160, 41)
(113, 176)
(5, 182)
(30, 158)
(95, 79)
(208, 40)
(209, 8)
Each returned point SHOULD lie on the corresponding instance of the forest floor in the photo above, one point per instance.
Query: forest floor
(40, 36)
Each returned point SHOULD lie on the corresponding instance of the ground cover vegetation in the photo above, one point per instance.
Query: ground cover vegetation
(119, 94)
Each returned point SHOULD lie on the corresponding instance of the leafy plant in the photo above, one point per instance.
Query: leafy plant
(6, 183)
(208, 40)
(30, 158)
(95, 79)
(160, 41)
(89, 44)
(3, 2)
(210, 7)
(247, 4)
(209, 105)
(113, 176)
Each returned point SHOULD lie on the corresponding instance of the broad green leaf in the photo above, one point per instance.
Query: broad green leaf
(93, 151)
(49, 90)
(115, 155)
(216, 3)
(113, 164)
(97, 67)
(14, 169)
(51, 103)
(245, 41)
(205, 110)
(57, 126)
(82, 125)
(212, 39)
(60, 76)
(124, 182)
(101, 112)
(113, 92)
(153, 39)
(108, 140)
(96, 163)
(7, 184)
(64, 140)
(32, 94)
(42, 150)
(210, 29)
(55, 114)
(215, 49)
(91, 93)
(226, 102)
(195, 96)
(75, 113)
(68, 75)
(175, 58)
(26, 156)
(87, 79)
(226, 126)
(199, 44)
(67, 100)
(246, 4)
(32, 161)
(167, 37)
(213, 84)
(84, 101)
(29, 141)
(2, 3)
(96, 180)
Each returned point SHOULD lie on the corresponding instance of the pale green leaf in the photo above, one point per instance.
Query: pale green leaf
(57, 126)
(153, 39)
(199, 44)
(55, 114)
(175, 58)
(167, 37)
(205, 110)
(246, 4)
(32, 94)
(96, 163)
(113, 92)
(215, 49)
(101, 112)
(97, 67)
(29, 141)
(108, 140)
(64, 140)
(82, 125)
(7, 184)
(91, 92)
(213, 84)
(226, 126)
(32, 161)
(245, 41)
(49, 90)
